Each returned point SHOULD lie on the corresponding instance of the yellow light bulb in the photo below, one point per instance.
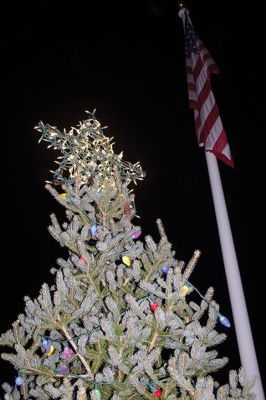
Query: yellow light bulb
(63, 195)
(51, 351)
(184, 290)
(126, 260)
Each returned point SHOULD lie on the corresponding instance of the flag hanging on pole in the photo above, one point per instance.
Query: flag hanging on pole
(199, 65)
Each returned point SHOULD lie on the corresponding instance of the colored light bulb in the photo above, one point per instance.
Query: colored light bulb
(157, 393)
(19, 381)
(93, 230)
(184, 290)
(165, 269)
(154, 306)
(50, 352)
(63, 195)
(126, 260)
(136, 234)
(152, 387)
(68, 353)
(98, 394)
(62, 369)
(224, 321)
(46, 344)
(81, 259)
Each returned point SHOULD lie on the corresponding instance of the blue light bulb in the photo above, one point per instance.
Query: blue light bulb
(165, 269)
(46, 344)
(224, 321)
(93, 230)
(19, 381)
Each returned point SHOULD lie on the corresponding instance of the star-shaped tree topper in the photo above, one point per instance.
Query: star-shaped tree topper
(87, 152)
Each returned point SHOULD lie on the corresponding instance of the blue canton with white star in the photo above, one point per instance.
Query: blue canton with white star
(190, 39)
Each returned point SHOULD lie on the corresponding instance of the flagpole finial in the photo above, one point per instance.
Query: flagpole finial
(181, 6)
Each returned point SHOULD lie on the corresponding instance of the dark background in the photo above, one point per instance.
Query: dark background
(127, 61)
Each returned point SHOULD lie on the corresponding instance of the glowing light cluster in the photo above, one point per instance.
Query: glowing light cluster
(87, 152)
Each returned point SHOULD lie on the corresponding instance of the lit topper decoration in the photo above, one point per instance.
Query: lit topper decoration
(87, 152)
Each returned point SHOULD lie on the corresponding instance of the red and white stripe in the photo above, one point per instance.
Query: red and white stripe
(209, 128)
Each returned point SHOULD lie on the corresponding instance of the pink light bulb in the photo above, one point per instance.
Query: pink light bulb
(68, 353)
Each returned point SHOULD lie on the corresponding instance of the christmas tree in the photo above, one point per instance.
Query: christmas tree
(119, 322)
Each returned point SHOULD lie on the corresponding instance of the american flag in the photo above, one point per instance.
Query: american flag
(199, 66)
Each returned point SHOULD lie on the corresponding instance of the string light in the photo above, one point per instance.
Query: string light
(63, 369)
(93, 151)
(184, 289)
(223, 320)
(68, 352)
(151, 386)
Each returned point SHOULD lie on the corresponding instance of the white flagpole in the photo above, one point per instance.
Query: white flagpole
(241, 320)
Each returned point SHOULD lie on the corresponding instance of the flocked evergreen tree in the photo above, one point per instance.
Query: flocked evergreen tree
(117, 323)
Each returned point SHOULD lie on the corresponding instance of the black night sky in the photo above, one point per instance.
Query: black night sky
(127, 61)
